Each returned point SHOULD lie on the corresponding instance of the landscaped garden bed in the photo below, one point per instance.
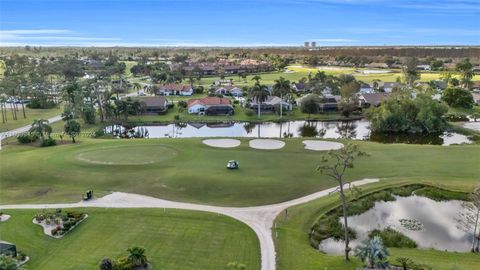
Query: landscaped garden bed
(57, 223)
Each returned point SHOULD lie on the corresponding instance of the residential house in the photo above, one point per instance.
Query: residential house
(372, 99)
(229, 91)
(376, 65)
(270, 103)
(299, 87)
(329, 103)
(389, 86)
(366, 88)
(154, 105)
(210, 106)
(174, 89)
(424, 67)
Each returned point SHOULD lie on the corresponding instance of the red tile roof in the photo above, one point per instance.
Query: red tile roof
(208, 101)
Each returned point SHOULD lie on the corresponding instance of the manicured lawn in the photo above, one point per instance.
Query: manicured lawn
(196, 173)
(174, 239)
(295, 252)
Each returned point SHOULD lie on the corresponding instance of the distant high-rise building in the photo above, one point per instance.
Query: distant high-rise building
(314, 44)
(307, 44)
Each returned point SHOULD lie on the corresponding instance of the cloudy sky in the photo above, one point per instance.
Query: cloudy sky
(239, 22)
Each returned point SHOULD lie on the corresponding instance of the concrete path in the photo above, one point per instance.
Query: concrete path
(15, 132)
(259, 218)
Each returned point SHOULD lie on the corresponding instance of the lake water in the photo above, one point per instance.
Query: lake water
(436, 219)
(357, 130)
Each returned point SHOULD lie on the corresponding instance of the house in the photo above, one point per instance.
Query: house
(299, 87)
(424, 67)
(366, 88)
(154, 105)
(476, 69)
(174, 89)
(210, 106)
(329, 103)
(371, 99)
(8, 249)
(389, 86)
(476, 85)
(229, 91)
(270, 103)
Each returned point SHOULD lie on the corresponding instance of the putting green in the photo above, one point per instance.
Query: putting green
(127, 155)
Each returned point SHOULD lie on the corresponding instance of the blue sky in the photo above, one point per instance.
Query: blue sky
(239, 22)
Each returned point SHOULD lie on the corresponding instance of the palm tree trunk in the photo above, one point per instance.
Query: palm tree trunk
(475, 231)
(345, 219)
(281, 105)
(23, 110)
(258, 108)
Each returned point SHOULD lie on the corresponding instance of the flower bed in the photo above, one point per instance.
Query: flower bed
(58, 223)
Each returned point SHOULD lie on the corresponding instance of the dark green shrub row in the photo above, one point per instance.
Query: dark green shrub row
(49, 142)
(27, 138)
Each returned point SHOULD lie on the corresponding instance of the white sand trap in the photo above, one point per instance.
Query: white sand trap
(317, 145)
(266, 144)
(4, 217)
(222, 143)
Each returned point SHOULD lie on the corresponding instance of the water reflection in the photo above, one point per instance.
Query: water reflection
(438, 219)
(356, 130)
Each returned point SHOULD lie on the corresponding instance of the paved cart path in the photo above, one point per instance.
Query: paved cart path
(259, 218)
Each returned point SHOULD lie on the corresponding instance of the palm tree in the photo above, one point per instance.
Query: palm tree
(259, 93)
(465, 68)
(41, 127)
(373, 253)
(137, 86)
(137, 256)
(280, 88)
(256, 78)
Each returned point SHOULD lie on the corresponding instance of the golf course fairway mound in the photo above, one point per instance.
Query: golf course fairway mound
(128, 155)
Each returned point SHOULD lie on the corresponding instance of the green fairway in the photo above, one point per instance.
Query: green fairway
(300, 72)
(187, 170)
(294, 250)
(31, 114)
(174, 239)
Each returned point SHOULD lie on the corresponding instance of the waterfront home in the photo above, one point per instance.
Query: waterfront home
(210, 106)
(174, 89)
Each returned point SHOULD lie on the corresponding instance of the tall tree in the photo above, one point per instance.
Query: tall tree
(280, 88)
(335, 164)
(260, 94)
(72, 129)
(465, 68)
(410, 71)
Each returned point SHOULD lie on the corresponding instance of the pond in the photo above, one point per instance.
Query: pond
(357, 130)
(429, 223)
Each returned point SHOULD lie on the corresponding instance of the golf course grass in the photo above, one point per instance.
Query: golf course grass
(294, 250)
(174, 239)
(31, 114)
(188, 170)
(138, 154)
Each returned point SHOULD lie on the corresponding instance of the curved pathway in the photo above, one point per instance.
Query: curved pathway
(259, 218)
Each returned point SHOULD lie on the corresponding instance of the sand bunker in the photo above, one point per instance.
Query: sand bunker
(4, 217)
(317, 145)
(222, 143)
(266, 144)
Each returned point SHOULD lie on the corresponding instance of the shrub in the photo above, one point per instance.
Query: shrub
(176, 117)
(236, 101)
(458, 97)
(99, 132)
(88, 115)
(106, 264)
(49, 142)
(393, 238)
(182, 104)
(27, 137)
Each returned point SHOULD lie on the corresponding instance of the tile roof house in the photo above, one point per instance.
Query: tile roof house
(372, 99)
(366, 88)
(154, 105)
(270, 103)
(210, 106)
(174, 89)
